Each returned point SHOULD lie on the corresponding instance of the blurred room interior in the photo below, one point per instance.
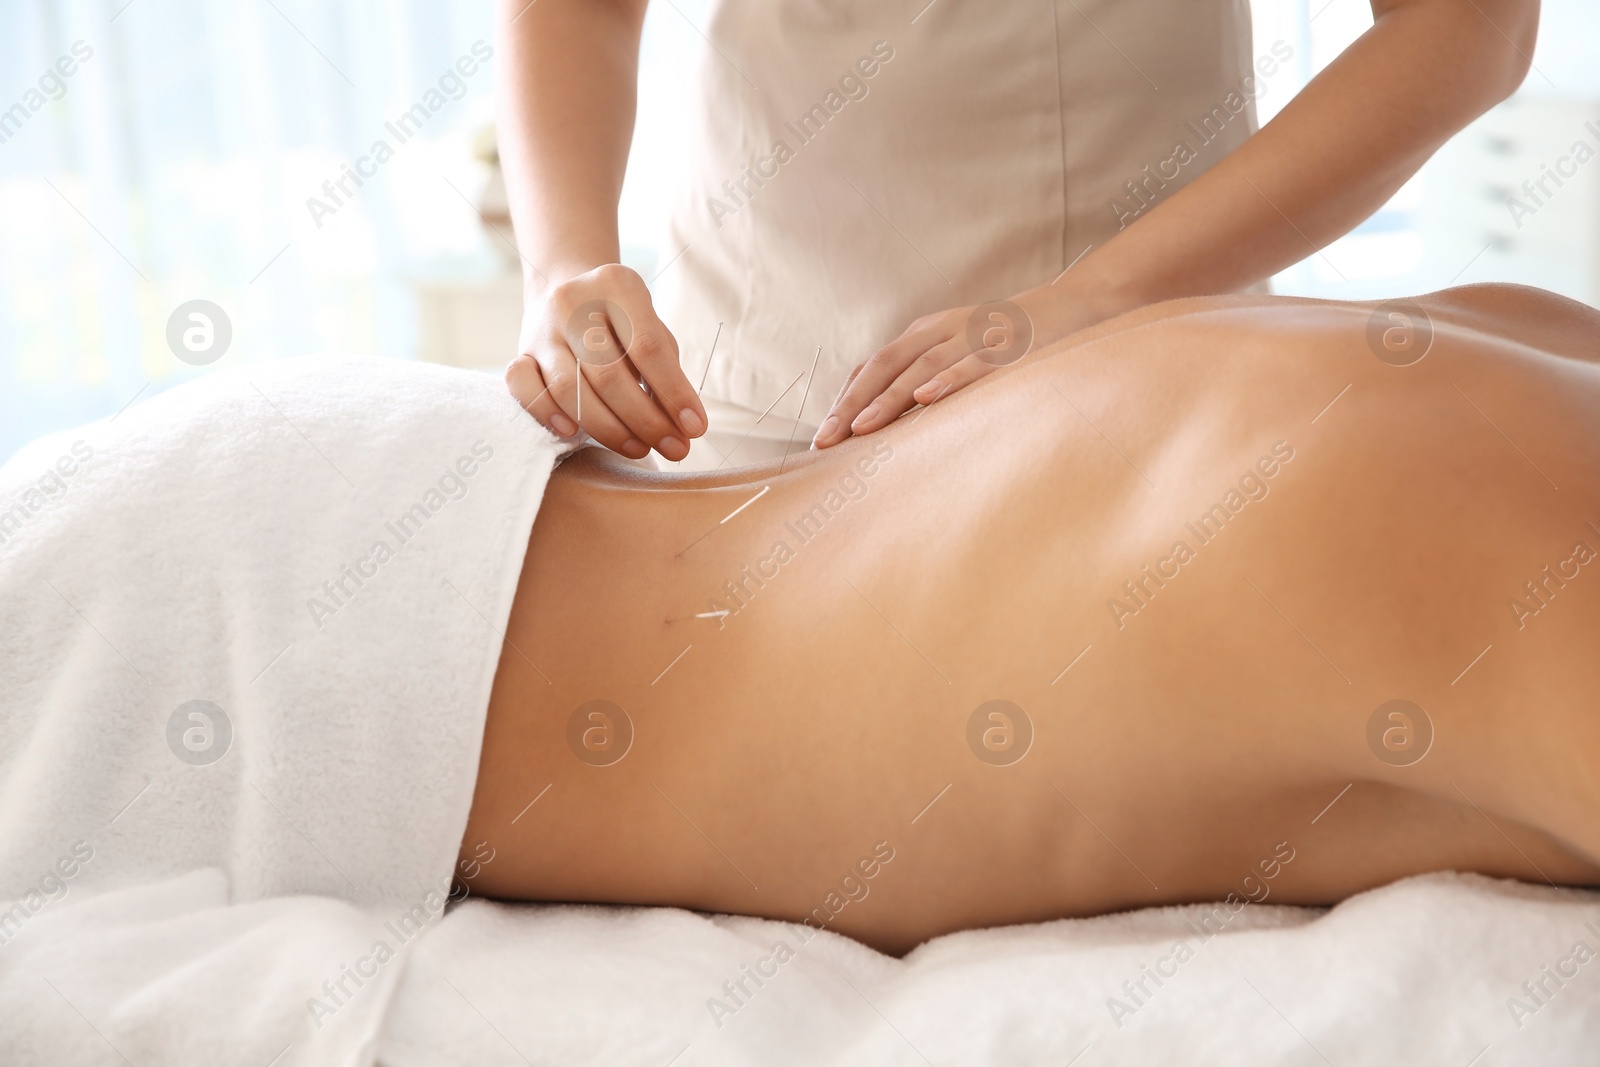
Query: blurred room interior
(181, 158)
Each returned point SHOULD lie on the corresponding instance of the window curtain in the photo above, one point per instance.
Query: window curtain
(154, 152)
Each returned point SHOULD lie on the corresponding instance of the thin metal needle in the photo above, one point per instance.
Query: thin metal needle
(707, 372)
(806, 395)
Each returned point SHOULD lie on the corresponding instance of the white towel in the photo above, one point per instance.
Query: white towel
(1443, 970)
(250, 627)
(171, 973)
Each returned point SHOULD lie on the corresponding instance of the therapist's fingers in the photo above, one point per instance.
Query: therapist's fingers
(543, 379)
(849, 380)
(900, 395)
(573, 388)
(953, 379)
(612, 387)
(604, 318)
(653, 351)
(844, 388)
(527, 386)
(997, 334)
(878, 373)
(576, 403)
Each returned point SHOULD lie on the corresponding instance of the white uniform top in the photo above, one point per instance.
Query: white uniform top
(858, 164)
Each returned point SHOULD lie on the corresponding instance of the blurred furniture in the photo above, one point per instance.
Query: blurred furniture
(1484, 204)
(467, 318)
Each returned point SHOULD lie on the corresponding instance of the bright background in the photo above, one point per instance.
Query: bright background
(177, 164)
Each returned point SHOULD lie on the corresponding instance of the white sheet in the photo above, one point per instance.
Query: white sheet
(220, 543)
(1420, 973)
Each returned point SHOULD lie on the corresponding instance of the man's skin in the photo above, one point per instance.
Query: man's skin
(1213, 741)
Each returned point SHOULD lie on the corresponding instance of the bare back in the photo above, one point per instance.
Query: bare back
(1122, 625)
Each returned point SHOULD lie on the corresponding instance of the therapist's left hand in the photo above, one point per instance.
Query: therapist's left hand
(941, 353)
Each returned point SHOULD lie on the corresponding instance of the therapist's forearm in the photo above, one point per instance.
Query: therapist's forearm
(565, 105)
(1331, 158)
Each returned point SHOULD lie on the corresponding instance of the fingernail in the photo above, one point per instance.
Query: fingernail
(563, 426)
(929, 388)
(632, 445)
(690, 421)
(829, 425)
(670, 444)
(866, 416)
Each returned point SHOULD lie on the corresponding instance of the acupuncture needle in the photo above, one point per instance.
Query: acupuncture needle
(707, 372)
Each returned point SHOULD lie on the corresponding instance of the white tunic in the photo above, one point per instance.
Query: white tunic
(860, 163)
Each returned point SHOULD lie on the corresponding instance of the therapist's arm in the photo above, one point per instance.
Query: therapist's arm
(565, 97)
(1331, 158)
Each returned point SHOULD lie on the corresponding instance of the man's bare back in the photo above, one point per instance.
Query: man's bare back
(1209, 600)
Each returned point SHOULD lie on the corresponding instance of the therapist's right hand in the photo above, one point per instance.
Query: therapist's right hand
(593, 354)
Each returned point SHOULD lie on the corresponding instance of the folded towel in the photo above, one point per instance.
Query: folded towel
(250, 626)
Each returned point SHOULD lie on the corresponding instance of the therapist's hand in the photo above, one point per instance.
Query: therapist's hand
(593, 354)
(944, 352)
(1326, 161)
